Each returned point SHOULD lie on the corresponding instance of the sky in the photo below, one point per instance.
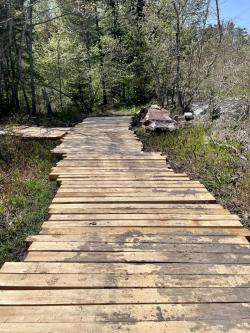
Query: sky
(238, 10)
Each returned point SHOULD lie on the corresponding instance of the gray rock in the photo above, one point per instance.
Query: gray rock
(189, 116)
(160, 126)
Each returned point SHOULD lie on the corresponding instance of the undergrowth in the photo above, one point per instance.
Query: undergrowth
(65, 118)
(25, 192)
(224, 171)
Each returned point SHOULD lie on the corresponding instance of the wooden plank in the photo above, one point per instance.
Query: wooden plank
(137, 238)
(71, 193)
(174, 198)
(139, 257)
(212, 326)
(113, 163)
(127, 313)
(74, 185)
(135, 246)
(145, 223)
(126, 174)
(115, 157)
(124, 268)
(91, 208)
(118, 178)
(143, 209)
(154, 207)
(139, 231)
(124, 296)
(105, 209)
(126, 216)
(133, 169)
(86, 281)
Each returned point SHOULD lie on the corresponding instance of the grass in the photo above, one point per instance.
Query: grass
(222, 170)
(25, 192)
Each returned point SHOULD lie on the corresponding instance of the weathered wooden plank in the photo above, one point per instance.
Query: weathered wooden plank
(115, 157)
(123, 313)
(125, 268)
(145, 223)
(206, 326)
(154, 207)
(84, 185)
(86, 281)
(125, 212)
(136, 238)
(169, 198)
(131, 209)
(118, 178)
(139, 257)
(133, 169)
(135, 246)
(127, 232)
(127, 191)
(74, 193)
(155, 216)
(113, 163)
(124, 296)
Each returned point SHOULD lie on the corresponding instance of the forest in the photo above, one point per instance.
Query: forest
(82, 56)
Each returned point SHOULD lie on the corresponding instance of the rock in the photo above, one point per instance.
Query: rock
(155, 118)
(160, 126)
(200, 108)
(215, 113)
(158, 119)
(153, 112)
(189, 116)
(158, 115)
(155, 107)
(228, 107)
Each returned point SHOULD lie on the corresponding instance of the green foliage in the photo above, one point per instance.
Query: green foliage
(25, 192)
(92, 55)
(70, 115)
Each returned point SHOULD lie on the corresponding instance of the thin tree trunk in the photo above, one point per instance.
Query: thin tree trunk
(47, 101)
(30, 50)
(178, 56)
(59, 72)
(103, 82)
(140, 9)
(26, 98)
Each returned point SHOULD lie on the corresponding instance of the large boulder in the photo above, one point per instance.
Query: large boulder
(155, 118)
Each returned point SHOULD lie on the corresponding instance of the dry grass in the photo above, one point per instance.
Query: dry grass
(224, 171)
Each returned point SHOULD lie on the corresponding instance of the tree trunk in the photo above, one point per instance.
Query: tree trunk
(30, 50)
(26, 98)
(178, 57)
(114, 8)
(47, 101)
(140, 9)
(103, 82)
(59, 72)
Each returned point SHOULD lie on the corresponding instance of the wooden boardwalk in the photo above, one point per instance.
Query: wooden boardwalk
(35, 132)
(130, 247)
